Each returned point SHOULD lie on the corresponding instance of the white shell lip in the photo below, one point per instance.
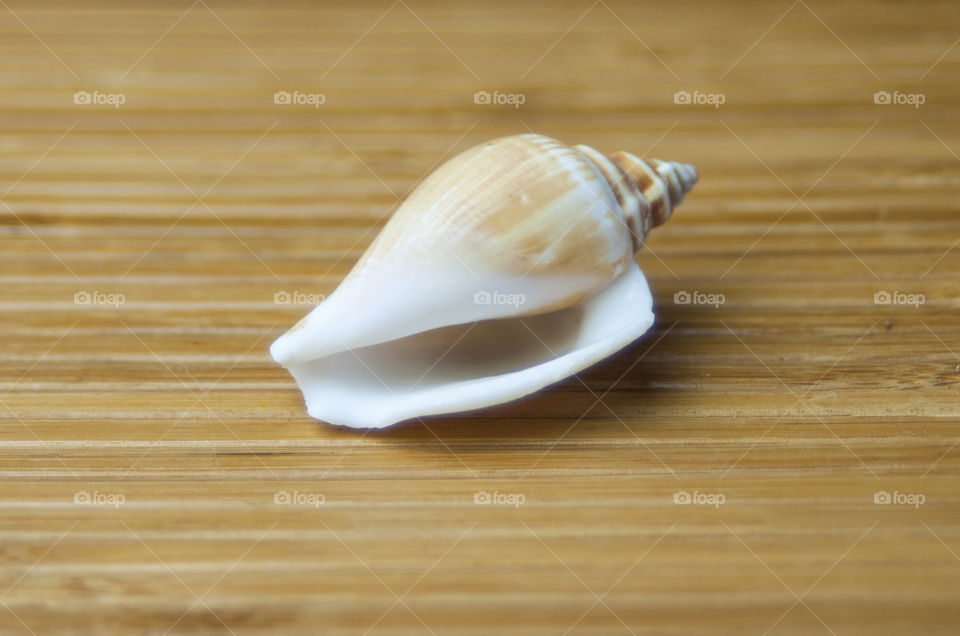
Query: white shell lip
(386, 383)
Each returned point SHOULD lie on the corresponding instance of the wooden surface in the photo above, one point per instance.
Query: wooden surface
(198, 199)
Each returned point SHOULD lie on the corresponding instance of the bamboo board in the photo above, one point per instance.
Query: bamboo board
(185, 209)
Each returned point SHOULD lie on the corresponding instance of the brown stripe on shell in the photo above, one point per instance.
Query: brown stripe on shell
(636, 210)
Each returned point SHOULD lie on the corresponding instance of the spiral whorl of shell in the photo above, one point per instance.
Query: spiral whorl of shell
(647, 190)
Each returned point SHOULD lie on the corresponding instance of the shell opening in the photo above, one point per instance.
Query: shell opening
(472, 365)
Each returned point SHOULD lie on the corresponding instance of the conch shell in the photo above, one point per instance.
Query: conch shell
(509, 268)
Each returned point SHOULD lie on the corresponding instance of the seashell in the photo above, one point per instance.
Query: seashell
(509, 268)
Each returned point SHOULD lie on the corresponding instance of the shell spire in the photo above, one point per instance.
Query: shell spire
(647, 190)
(664, 183)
